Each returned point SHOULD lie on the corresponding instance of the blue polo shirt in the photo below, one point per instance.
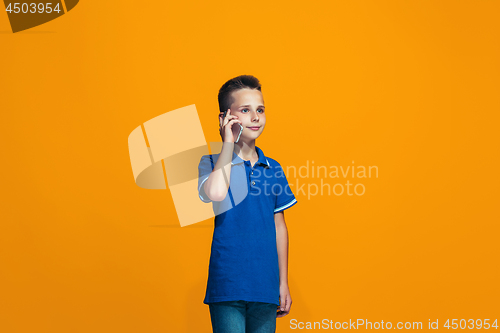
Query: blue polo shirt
(244, 257)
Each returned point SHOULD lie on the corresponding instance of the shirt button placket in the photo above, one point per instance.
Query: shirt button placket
(253, 182)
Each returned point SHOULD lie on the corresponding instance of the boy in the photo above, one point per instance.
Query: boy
(248, 268)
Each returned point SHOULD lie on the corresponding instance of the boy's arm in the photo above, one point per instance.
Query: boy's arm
(282, 245)
(217, 184)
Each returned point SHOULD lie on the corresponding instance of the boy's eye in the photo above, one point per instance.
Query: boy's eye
(261, 110)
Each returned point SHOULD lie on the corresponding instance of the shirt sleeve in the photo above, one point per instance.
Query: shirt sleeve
(285, 198)
(204, 170)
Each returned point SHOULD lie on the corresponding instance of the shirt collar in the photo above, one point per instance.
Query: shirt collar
(262, 158)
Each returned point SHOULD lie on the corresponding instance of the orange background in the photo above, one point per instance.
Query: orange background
(411, 87)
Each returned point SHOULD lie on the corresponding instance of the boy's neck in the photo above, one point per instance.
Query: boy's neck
(246, 150)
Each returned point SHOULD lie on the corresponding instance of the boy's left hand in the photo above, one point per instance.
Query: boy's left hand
(285, 302)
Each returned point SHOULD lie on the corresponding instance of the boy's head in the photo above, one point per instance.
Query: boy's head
(240, 82)
(243, 96)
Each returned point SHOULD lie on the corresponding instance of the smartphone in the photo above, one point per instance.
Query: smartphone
(241, 127)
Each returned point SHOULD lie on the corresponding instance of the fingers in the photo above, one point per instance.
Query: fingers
(224, 132)
(228, 113)
(221, 128)
(223, 116)
(288, 304)
(224, 121)
(230, 123)
(228, 118)
(284, 308)
(280, 314)
(233, 121)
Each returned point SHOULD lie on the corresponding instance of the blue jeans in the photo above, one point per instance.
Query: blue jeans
(243, 317)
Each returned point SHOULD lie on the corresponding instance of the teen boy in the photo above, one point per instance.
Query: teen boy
(248, 268)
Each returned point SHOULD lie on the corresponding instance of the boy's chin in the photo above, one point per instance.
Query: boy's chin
(250, 137)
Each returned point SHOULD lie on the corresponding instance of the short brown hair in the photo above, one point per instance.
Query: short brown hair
(239, 82)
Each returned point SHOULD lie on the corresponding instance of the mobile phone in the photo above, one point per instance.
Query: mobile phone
(241, 127)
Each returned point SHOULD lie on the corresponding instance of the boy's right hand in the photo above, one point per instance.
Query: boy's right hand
(227, 127)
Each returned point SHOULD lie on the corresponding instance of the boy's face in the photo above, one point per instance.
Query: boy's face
(248, 105)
